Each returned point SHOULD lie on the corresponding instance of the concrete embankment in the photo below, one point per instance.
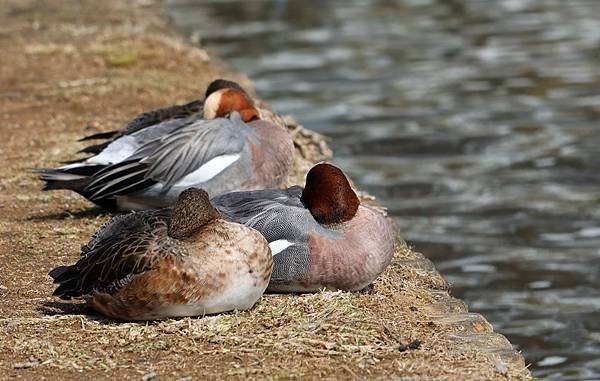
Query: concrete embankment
(72, 67)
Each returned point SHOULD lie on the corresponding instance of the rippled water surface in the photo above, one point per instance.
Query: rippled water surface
(477, 122)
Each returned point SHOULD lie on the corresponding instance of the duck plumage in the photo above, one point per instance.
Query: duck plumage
(332, 243)
(232, 150)
(179, 261)
(141, 121)
(158, 116)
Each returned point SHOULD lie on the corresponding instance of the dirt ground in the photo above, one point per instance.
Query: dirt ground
(70, 68)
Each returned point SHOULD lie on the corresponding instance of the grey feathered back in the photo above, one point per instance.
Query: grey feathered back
(278, 214)
(157, 131)
(168, 159)
(175, 155)
(132, 142)
(151, 167)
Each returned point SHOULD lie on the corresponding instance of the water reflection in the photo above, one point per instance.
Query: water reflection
(474, 121)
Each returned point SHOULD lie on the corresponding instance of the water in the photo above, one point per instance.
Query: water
(475, 121)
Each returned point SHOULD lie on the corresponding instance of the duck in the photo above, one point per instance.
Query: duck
(167, 263)
(156, 116)
(233, 146)
(320, 235)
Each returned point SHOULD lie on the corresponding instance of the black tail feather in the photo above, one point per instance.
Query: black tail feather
(94, 148)
(74, 161)
(85, 170)
(75, 178)
(59, 179)
(74, 185)
(99, 135)
(57, 272)
(68, 277)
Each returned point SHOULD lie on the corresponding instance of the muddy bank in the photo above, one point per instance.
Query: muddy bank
(73, 67)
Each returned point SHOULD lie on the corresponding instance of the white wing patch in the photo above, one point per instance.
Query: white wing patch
(208, 170)
(116, 151)
(279, 246)
(74, 165)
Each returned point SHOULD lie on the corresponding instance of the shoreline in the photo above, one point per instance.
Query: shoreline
(86, 67)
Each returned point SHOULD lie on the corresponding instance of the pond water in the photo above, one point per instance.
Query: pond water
(476, 122)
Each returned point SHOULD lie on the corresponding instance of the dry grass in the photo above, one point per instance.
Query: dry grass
(70, 64)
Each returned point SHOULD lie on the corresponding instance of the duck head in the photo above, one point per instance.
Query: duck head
(224, 97)
(219, 84)
(328, 195)
(191, 212)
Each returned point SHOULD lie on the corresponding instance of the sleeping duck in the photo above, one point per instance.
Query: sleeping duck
(231, 148)
(157, 116)
(184, 261)
(320, 235)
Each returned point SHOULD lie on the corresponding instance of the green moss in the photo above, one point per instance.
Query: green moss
(123, 58)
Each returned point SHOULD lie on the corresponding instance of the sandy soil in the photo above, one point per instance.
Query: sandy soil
(70, 68)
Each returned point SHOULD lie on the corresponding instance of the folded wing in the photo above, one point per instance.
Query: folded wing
(191, 153)
(123, 248)
(141, 121)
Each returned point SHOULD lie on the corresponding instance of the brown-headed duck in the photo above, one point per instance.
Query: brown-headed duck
(236, 146)
(320, 235)
(172, 262)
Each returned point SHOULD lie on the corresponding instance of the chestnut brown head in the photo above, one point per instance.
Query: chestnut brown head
(328, 195)
(225, 101)
(219, 84)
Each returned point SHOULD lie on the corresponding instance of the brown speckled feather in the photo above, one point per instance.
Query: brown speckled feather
(204, 281)
(171, 262)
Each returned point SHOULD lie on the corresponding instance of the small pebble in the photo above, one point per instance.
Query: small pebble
(415, 344)
(501, 368)
(149, 376)
(26, 364)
